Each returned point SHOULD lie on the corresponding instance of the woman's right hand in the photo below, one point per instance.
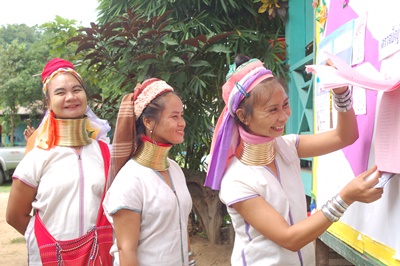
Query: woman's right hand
(361, 188)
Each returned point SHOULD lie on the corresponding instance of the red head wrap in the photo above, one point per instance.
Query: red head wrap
(56, 66)
(53, 65)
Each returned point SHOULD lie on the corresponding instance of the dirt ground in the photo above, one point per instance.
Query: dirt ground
(13, 249)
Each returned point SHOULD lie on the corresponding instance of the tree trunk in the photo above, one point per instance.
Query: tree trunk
(12, 130)
(206, 205)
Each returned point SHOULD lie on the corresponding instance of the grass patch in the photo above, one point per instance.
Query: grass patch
(18, 240)
(5, 187)
(202, 234)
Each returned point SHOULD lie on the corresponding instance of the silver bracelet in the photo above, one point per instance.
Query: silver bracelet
(328, 214)
(341, 201)
(333, 210)
(343, 96)
(192, 262)
(343, 102)
(190, 253)
(337, 205)
(343, 107)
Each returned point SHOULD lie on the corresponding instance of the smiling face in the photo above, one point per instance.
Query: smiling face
(171, 125)
(66, 97)
(270, 110)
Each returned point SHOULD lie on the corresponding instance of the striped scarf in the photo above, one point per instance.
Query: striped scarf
(131, 108)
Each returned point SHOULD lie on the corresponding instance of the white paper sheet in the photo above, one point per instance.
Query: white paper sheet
(345, 75)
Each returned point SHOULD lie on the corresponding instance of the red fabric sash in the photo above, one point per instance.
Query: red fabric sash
(90, 249)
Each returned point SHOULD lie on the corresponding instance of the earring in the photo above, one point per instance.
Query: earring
(151, 131)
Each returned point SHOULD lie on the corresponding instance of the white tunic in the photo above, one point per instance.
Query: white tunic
(69, 191)
(164, 214)
(285, 193)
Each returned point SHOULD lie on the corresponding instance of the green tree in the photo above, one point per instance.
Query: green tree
(22, 32)
(56, 34)
(18, 87)
(254, 32)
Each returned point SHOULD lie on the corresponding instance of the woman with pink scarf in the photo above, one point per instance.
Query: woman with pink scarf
(257, 169)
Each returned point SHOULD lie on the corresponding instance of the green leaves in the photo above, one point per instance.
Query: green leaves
(200, 63)
(18, 85)
(219, 48)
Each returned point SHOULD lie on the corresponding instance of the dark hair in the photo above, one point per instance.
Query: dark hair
(241, 59)
(152, 111)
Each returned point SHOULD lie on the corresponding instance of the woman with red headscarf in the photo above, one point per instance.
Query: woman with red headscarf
(63, 177)
(148, 202)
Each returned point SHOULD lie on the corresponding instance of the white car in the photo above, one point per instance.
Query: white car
(9, 159)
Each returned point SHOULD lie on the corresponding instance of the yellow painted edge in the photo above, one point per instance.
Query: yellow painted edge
(363, 243)
(315, 159)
